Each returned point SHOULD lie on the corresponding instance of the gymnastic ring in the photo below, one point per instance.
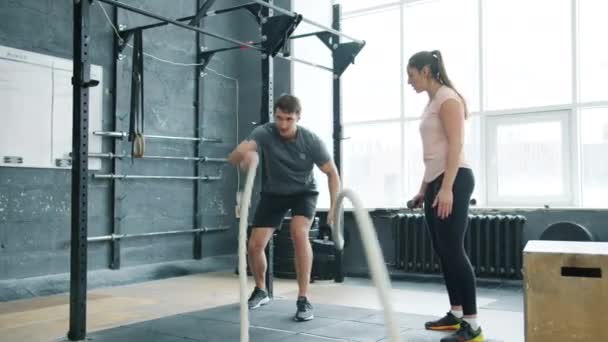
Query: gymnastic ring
(139, 145)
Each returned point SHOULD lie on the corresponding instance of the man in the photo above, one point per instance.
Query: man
(288, 154)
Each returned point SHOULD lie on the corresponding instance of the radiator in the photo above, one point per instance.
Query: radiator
(493, 243)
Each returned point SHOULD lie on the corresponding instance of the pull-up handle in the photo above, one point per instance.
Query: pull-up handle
(582, 272)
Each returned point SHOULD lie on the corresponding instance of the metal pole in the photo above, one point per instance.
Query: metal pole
(177, 23)
(201, 159)
(197, 241)
(114, 237)
(279, 55)
(113, 176)
(337, 99)
(80, 99)
(118, 193)
(216, 160)
(305, 35)
(266, 115)
(203, 139)
(337, 113)
(123, 135)
(293, 59)
(292, 14)
(111, 134)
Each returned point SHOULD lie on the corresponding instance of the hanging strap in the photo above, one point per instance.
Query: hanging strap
(136, 118)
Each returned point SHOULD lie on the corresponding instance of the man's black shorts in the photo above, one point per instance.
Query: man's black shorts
(272, 208)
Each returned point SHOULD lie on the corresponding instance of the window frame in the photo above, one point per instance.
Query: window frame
(569, 114)
(493, 122)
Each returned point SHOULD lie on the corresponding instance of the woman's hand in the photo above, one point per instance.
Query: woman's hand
(443, 202)
(416, 201)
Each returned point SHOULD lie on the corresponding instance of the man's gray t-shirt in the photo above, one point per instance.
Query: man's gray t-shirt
(288, 164)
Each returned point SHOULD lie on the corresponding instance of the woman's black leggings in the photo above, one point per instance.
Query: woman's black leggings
(448, 239)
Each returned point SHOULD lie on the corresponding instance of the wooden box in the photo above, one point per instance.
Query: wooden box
(566, 291)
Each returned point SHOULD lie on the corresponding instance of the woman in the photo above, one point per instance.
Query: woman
(446, 191)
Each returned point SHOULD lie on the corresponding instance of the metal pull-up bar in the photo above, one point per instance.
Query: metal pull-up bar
(122, 135)
(114, 176)
(293, 59)
(113, 237)
(314, 23)
(111, 155)
(177, 23)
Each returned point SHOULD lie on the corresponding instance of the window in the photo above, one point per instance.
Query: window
(355, 5)
(527, 61)
(594, 140)
(538, 121)
(313, 86)
(412, 153)
(317, 11)
(593, 64)
(472, 154)
(372, 163)
(455, 33)
(371, 86)
(529, 159)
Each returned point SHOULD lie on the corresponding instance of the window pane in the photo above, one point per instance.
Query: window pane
(317, 11)
(528, 162)
(594, 139)
(353, 5)
(414, 163)
(454, 32)
(312, 48)
(313, 87)
(593, 56)
(372, 164)
(371, 85)
(472, 154)
(527, 63)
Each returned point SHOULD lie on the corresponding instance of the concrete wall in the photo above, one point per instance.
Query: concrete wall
(35, 203)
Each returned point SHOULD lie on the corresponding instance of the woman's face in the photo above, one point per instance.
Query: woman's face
(418, 79)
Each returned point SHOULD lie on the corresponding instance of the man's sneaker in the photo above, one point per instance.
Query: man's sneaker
(447, 322)
(304, 312)
(258, 298)
(465, 334)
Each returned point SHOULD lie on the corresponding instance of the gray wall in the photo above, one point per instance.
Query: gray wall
(35, 203)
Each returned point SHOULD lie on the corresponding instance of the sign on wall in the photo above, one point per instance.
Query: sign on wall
(36, 110)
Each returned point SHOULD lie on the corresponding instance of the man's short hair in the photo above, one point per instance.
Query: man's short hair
(288, 104)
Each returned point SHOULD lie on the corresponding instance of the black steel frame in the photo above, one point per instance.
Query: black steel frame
(117, 188)
(197, 242)
(274, 43)
(337, 129)
(81, 81)
(266, 115)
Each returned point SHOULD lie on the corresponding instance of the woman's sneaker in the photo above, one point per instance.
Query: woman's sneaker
(465, 334)
(258, 298)
(447, 322)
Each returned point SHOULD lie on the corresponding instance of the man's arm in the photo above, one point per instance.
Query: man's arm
(238, 156)
(334, 184)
